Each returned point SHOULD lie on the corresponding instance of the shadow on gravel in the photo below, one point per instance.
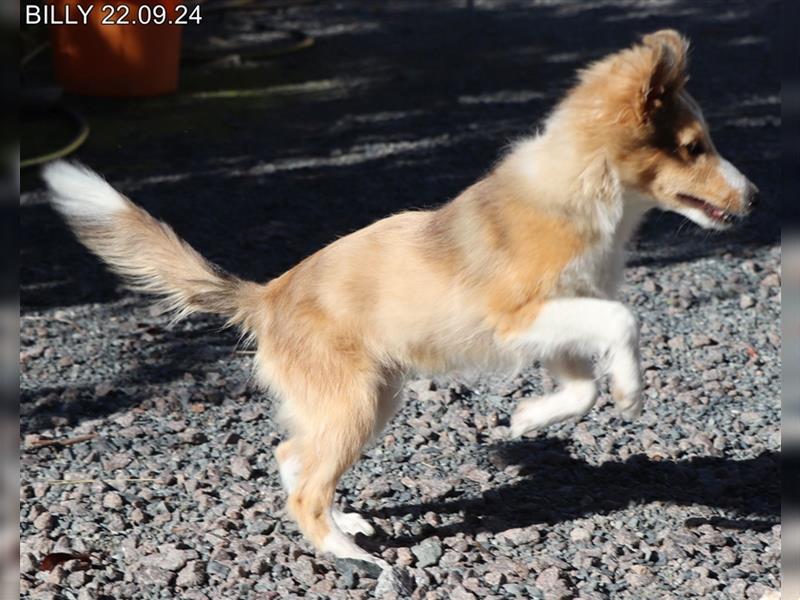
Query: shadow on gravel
(183, 356)
(50, 406)
(557, 487)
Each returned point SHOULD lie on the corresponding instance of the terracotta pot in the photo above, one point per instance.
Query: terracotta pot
(101, 59)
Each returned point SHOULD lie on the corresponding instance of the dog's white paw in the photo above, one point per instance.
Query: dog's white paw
(632, 412)
(629, 403)
(572, 402)
(342, 546)
(352, 523)
(530, 415)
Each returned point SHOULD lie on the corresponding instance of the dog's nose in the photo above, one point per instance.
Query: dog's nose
(753, 197)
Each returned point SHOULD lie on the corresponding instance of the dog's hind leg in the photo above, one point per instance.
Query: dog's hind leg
(576, 397)
(326, 444)
(290, 466)
(289, 455)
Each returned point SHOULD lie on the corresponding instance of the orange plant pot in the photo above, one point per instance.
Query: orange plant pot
(112, 59)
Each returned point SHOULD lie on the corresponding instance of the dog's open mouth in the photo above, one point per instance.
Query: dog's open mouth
(711, 211)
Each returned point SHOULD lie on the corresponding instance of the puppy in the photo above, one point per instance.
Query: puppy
(523, 264)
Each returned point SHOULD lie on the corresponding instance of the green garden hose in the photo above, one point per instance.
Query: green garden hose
(76, 142)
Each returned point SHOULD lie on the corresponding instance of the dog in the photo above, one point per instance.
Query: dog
(522, 265)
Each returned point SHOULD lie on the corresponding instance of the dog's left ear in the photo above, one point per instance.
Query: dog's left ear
(666, 52)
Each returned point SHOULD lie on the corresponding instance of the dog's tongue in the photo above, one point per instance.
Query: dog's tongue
(717, 213)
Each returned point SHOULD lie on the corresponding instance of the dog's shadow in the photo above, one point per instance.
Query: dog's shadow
(554, 487)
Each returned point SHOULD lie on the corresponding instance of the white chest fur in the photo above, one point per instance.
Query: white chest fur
(597, 272)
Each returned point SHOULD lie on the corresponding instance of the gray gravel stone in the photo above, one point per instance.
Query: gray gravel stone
(192, 436)
(240, 466)
(579, 534)
(405, 557)
(519, 536)
(169, 558)
(45, 521)
(304, 570)
(191, 575)
(428, 552)
(156, 576)
(551, 583)
(27, 563)
(218, 569)
(112, 500)
(77, 579)
(495, 579)
(461, 593)
(639, 576)
(395, 580)
(87, 594)
(348, 566)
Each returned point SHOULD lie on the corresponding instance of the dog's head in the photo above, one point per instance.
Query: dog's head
(654, 133)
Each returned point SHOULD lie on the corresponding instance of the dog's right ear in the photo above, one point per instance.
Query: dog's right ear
(665, 59)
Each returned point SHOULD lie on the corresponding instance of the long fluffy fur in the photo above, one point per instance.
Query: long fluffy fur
(144, 251)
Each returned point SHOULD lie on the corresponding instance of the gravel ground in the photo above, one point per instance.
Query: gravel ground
(183, 497)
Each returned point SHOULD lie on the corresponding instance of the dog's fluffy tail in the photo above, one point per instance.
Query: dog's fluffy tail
(145, 251)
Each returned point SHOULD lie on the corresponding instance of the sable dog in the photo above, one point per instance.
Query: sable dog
(523, 264)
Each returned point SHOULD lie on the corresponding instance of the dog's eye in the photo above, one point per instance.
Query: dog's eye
(694, 148)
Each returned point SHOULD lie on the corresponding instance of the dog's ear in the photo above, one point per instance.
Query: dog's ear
(665, 70)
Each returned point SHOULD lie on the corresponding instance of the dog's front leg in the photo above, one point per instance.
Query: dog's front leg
(576, 396)
(583, 327)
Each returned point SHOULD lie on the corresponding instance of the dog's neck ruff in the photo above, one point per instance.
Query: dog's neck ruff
(583, 187)
(585, 190)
